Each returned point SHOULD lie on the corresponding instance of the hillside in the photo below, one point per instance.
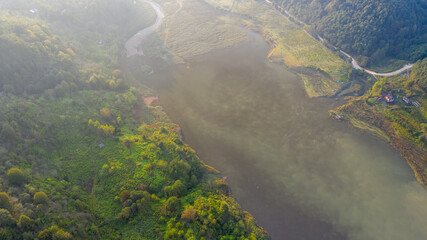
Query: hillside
(81, 155)
(371, 30)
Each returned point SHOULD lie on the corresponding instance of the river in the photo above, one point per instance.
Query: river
(301, 174)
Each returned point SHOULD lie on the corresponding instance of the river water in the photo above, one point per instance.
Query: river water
(301, 174)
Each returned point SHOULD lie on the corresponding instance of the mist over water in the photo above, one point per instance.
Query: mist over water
(300, 173)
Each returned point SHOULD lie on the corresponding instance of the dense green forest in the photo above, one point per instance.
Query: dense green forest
(371, 30)
(81, 155)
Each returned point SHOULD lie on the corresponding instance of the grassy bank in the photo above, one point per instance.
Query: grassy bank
(191, 28)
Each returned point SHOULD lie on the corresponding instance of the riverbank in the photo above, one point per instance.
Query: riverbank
(188, 217)
(366, 118)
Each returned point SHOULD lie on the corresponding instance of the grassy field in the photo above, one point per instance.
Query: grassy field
(191, 28)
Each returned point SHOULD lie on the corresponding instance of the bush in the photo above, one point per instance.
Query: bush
(5, 201)
(40, 198)
(16, 176)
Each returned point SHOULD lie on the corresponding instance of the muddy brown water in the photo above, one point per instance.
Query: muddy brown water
(301, 174)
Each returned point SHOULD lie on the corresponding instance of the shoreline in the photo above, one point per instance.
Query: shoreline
(412, 154)
(149, 100)
(357, 109)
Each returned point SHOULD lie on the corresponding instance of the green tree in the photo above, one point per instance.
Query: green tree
(61, 235)
(5, 201)
(177, 189)
(25, 222)
(171, 205)
(124, 195)
(6, 219)
(40, 198)
(16, 176)
(54, 233)
(179, 169)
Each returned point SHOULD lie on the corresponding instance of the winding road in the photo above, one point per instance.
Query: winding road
(358, 67)
(131, 46)
(353, 61)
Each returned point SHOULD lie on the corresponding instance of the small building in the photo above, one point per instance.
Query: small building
(389, 98)
(101, 145)
(406, 100)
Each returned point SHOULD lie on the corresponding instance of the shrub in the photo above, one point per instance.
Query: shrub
(4, 201)
(40, 198)
(16, 176)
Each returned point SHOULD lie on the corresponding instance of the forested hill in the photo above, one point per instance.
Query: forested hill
(375, 29)
(81, 155)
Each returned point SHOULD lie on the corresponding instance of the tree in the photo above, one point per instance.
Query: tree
(54, 233)
(40, 198)
(117, 73)
(126, 213)
(5, 201)
(25, 222)
(176, 189)
(124, 195)
(106, 113)
(16, 176)
(6, 219)
(189, 213)
(61, 235)
(171, 205)
(179, 169)
(7, 132)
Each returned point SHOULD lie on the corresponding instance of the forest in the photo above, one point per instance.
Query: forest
(81, 155)
(371, 30)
